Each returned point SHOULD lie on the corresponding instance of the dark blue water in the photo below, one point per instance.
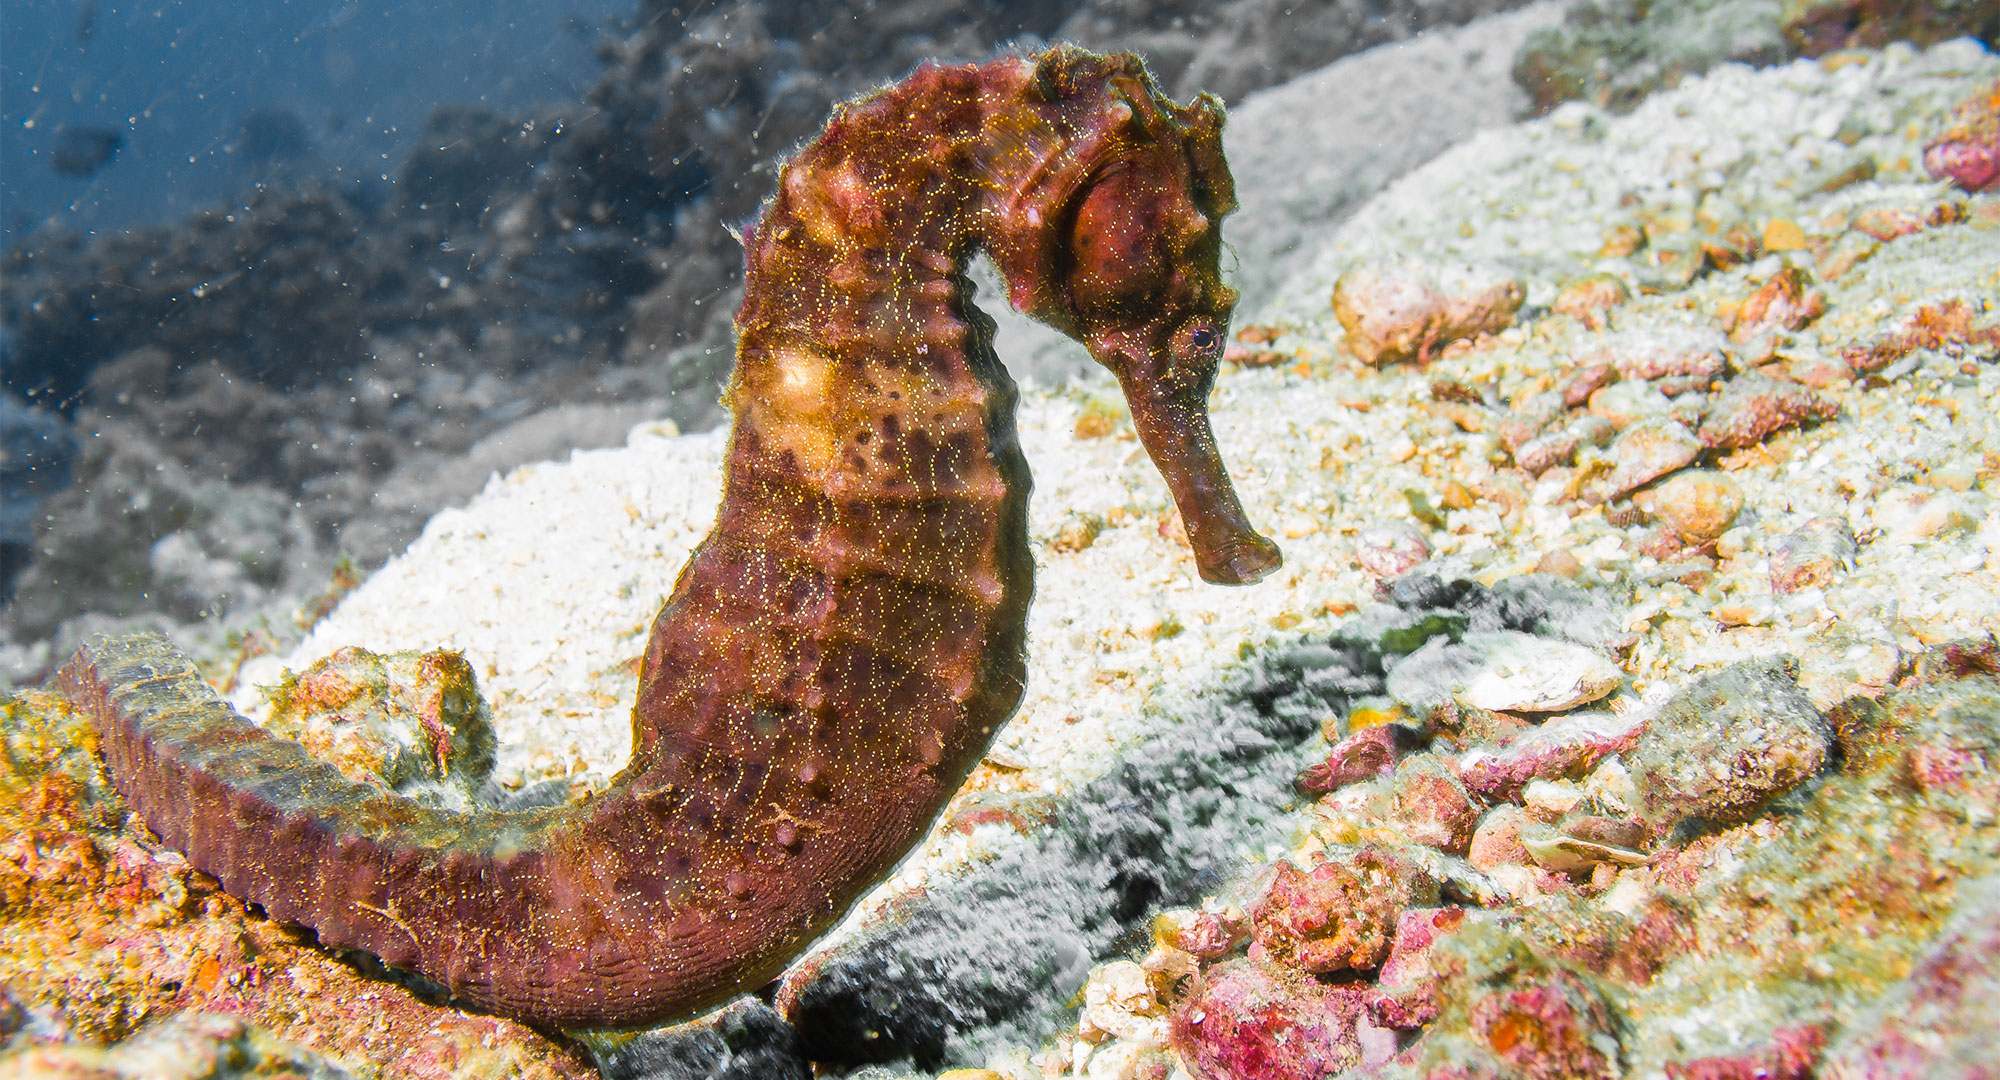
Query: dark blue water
(114, 114)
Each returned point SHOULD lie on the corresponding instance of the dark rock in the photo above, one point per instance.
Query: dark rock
(1717, 752)
(746, 1041)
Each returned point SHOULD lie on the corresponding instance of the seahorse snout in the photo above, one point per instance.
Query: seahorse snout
(1177, 435)
(1244, 559)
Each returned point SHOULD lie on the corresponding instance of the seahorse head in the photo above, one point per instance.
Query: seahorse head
(1141, 286)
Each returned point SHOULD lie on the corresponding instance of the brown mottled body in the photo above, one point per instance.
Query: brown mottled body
(839, 651)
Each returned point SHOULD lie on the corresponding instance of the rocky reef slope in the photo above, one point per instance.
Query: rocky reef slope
(1627, 705)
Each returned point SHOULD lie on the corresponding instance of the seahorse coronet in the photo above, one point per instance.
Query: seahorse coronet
(837, 654)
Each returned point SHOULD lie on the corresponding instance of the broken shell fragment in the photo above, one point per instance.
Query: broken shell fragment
(1525, 673)
(1553, 849)
(1597, 829)
(1391, 549)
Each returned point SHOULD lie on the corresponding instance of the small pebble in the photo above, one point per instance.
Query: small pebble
(1497, 840)
(1204, 935)
(1561, 562)
(1551, 800)
(1627, 403)
(1784, 302)
(1699, 504)
(1661, 353)
(1407, 311)
(1431, 806)
(1118, 1000)
(1810, 556)
(1564, 746)
(1588, 381)
(1753, 407)
(1077, 532)
(1783, 234)
(1542, 453)
(1365, 754)
(1590, 298)
(1645, 453)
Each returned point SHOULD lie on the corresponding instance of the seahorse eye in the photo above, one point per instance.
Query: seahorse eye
(1204, 339)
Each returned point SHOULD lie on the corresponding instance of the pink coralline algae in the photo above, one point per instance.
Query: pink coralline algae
(1340, 915)
(1360, 756)
(1255, 1021)
(1204, 935)
(1565, 746)
(1968, 152)
(1409, 979)
(1555, 1027)
(1429, 805)
(1791, 1055)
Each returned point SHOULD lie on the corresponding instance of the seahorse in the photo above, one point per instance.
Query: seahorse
(838, 653)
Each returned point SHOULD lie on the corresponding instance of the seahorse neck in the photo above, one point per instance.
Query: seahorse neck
(856, 303)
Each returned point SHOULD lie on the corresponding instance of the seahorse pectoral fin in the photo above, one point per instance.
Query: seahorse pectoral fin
(1174, 429)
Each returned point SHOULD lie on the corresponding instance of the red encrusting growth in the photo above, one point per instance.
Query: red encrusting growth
(840, 650)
